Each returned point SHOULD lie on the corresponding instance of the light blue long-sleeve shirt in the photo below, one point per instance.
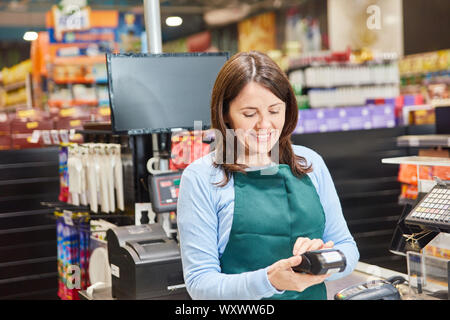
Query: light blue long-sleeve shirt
(205, 216)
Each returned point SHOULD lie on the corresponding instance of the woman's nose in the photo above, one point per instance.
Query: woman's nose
(263, 123)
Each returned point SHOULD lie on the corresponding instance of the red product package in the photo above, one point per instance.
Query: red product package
(409, 191)
(5, 142)
(24, 141)
(26, 126)
(186, 149)
(5, 124)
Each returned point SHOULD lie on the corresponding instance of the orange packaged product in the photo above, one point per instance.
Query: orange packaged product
(442, 173)
(408, 173)
(409, 191)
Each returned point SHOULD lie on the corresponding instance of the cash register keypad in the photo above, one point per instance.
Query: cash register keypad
(434, 208)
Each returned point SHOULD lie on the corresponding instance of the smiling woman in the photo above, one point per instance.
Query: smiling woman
(244, 223)
(257, 116)
(253, 97)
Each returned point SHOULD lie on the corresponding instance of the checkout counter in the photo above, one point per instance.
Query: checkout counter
(145, 260)
(145, 263)
(363, 273)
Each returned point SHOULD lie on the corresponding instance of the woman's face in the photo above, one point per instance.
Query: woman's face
(257, 116)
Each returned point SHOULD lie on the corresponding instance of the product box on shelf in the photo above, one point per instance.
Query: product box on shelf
(333, 121)
(307, 121)
(382, 116)
(24, 141)
(5, 124)
(346, 118)
(26, 126)
(356, 118)
(5, 142)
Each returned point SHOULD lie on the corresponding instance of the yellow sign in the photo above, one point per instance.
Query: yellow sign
(25, 113)
(32, 125)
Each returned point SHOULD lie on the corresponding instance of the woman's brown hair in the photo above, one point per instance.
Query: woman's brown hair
(238, 71)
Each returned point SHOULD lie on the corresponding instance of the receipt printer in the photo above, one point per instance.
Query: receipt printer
(145, 263)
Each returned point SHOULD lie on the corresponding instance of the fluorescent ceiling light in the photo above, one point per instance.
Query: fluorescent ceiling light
(30, 36)
(174, 21)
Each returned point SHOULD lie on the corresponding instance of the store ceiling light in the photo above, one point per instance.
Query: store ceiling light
(30, 36)
(174, 21)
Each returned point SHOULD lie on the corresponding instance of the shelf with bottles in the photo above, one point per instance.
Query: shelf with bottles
(344, 59)
(343, 79)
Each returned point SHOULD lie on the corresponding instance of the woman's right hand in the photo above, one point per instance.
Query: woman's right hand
(282, 277)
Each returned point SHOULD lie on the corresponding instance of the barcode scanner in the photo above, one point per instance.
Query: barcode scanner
(319, 262)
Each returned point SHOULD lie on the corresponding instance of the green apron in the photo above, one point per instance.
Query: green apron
(270, 212)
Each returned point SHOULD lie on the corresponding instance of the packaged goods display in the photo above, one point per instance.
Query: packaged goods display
(407, 175)
(91, 175)
(339, 91)
(344, 119)
(73, 239)
(427, 75)
(16, 90)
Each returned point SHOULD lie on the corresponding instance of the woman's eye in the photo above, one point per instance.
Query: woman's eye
(249, 115)
(274, 112)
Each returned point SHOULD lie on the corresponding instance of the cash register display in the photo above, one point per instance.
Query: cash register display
(168, 189)
(433, 211)
(164, 191)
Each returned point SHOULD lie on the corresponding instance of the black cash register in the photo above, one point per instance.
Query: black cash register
(145, 262)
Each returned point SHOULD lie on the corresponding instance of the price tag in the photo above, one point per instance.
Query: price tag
(64, 136)
(68, 217)
(25, 113)
(75, 123)
(72, 134)
(35, 136)
(32, 125)
(55, 136)
(46, 137)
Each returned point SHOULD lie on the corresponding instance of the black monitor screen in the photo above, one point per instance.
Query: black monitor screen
(158, 92)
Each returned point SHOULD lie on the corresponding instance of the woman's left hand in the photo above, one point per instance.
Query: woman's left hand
(305, 244)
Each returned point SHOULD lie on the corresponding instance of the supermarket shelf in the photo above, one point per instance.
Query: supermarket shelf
(14, 107)
(347, 85)
(72, 103)
(416, 160)
(74, 81)
(433, 140)
(424, 73)
(83, 60)
(15, 86)
(296, 64)
(27, 235)
(440, 102)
